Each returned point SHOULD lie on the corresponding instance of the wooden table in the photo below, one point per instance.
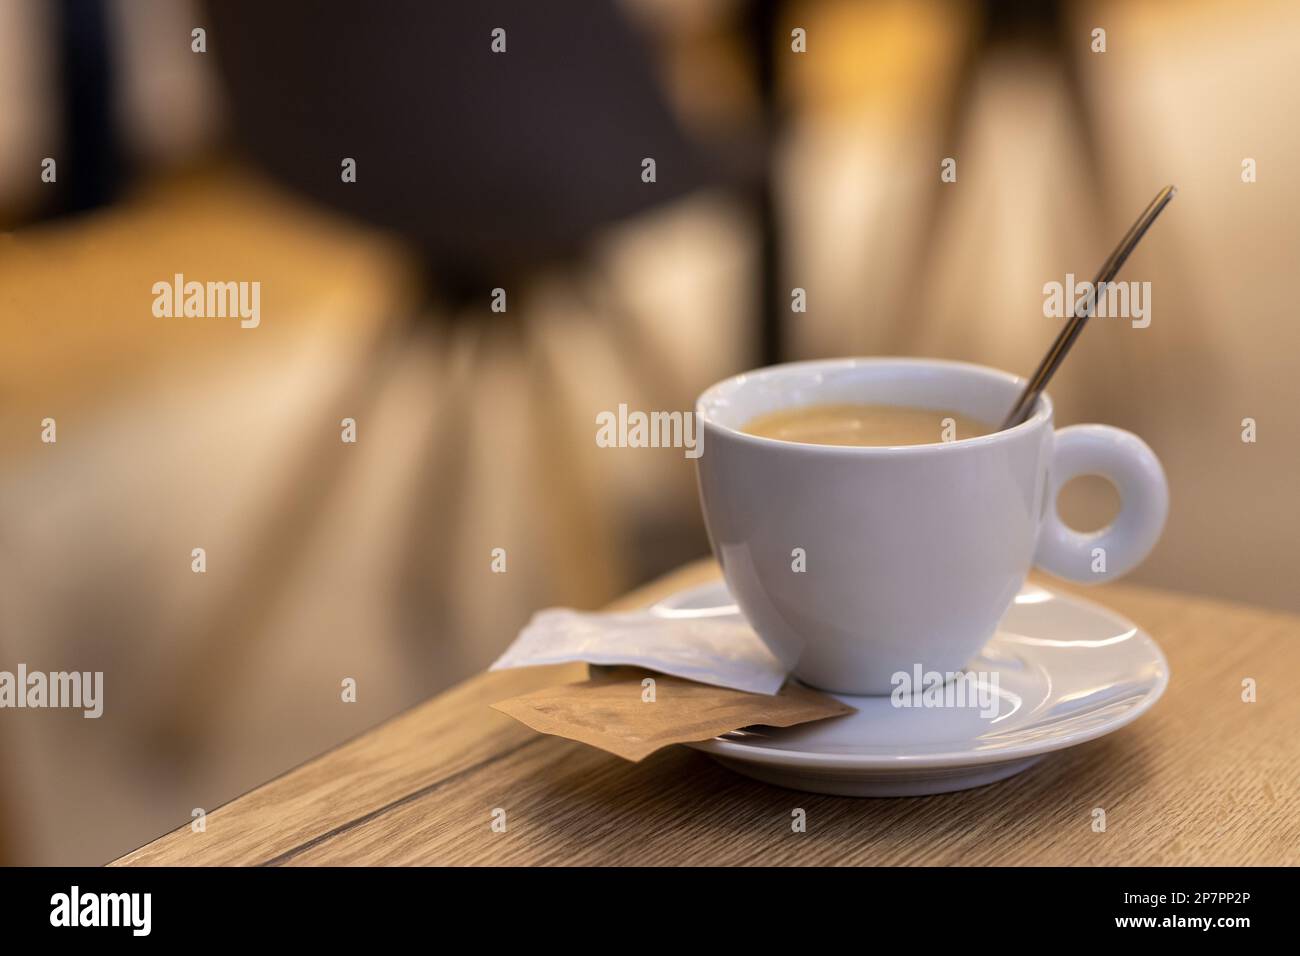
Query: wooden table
(1204, 778)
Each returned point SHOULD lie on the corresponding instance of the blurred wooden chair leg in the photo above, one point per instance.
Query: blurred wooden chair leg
(905, 327)
(579, 521)
(238, 619)
(1049, 27)
(423, 598)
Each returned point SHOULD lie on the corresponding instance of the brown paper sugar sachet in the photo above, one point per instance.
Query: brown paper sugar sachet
(614, 711)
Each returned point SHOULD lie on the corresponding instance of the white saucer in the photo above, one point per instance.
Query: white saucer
(1068, 671)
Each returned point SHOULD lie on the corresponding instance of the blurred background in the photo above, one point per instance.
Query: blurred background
(521, 170)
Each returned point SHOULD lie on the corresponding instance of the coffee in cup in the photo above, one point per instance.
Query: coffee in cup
(844, 423)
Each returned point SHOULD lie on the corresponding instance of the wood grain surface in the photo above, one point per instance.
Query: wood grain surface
(1204, 778)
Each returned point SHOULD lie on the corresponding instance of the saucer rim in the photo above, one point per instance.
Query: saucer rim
(737, 750)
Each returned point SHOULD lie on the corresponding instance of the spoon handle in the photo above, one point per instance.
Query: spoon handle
(1056, 354)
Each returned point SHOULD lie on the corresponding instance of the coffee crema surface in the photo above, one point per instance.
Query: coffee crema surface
(866, 425)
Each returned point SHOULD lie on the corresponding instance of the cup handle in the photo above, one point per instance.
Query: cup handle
(1133, 468)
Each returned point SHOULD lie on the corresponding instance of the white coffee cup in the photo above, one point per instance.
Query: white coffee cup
(911, 554)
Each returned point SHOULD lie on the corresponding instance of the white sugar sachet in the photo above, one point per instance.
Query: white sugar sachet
(715, 646)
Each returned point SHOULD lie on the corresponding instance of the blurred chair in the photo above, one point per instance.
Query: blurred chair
(499, 168)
